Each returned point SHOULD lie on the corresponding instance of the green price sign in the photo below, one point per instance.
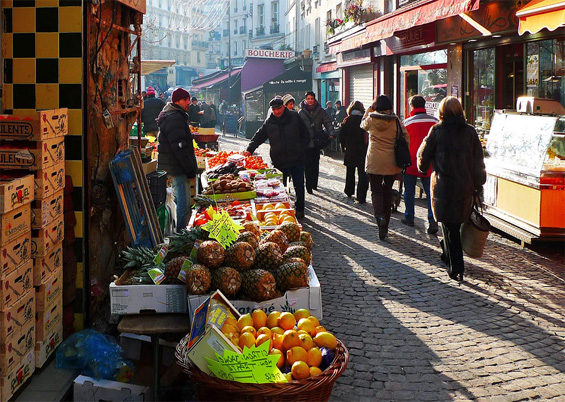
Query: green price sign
(223, 228)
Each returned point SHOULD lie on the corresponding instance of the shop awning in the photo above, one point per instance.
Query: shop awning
(418, 13)
(151, 66)
(540, 14)
(326, 67)
(215, 78)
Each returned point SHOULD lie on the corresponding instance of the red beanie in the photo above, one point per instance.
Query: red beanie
(150, 91)
(179, 93)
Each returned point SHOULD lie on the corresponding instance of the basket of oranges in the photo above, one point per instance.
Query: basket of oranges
(310, 377)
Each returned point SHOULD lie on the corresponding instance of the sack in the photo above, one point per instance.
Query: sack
(474, 232)
(321, 139)
(401, 149)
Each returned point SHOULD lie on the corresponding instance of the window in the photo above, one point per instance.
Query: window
(483, 90)
(261, 15)
(178, 41)
(338, 11)
(545, 69)
(317, 39)
(235, 48)
(275, 12)
(198, 57)
(329, 15)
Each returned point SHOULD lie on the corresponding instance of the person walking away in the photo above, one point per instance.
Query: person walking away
(144, 94)
(206, 115)
(418, 125)
(213, 115)
(176, 151)
(152, 106)
(288, 138)
(352, 139)
(340, 112)
(316, 120)
(330, 110)
(454, 149)
(380, 164)
(289, 101)
(194, 113)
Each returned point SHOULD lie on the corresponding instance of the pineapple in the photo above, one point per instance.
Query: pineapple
(278, 237)
(211, 253)
(289, 259)
(268, 256)
(227, 280)
(291, 275)
(291, 230)
(250, 238)
(252, 227)
(198, 279)
(297, 243)
(181, 243)
(172, 270)
(300, 252)
(136, 258)
(306, 237)
(258, 284)
(240, 255)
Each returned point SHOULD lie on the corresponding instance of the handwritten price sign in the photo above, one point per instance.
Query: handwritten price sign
(222, 228)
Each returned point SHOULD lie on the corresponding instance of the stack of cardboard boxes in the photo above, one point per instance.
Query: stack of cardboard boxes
(32, 162)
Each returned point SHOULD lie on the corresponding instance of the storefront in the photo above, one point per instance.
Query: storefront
(358, 76)
(330, 83)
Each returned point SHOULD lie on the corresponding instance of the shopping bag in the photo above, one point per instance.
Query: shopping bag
(321, 139)
(401, 149)
(475, 231)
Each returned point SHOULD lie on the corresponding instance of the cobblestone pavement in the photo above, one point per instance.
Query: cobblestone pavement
(415, 335)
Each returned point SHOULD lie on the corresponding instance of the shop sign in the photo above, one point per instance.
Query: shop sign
(496, 17)
(411, 39)
(269, 54)
(139, 5)
(288, 81)
(326, 68)
(353, 58)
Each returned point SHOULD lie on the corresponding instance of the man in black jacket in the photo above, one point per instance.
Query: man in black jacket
(152, 106)
(194, 113)
(176, 151)
(288, 137)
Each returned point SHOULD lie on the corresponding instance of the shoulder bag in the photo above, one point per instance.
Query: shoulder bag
(401, 149)
(475, 231)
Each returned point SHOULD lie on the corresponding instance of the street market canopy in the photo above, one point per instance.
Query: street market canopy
(215, 80)
(540, 14)
(151, 66)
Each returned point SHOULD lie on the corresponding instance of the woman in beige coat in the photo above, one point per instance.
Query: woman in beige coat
(380, 165)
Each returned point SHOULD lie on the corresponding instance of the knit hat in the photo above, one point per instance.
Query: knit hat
(287, 98)
(150, 91)
(276, 102)
(383, 103)
(178, 94)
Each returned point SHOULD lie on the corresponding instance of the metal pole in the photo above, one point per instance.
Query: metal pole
(229, 53)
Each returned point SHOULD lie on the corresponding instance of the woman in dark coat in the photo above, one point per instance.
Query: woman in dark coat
(454, 149)
(353, 141)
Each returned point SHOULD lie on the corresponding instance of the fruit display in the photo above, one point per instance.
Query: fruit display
(211, 253)
(237, 210)
(258, 284)
(198, 279)
(268, 256)
(240, 255)
(227, 280)
(227, 183)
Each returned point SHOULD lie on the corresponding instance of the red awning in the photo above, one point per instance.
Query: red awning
(326, 67)
(419, 13)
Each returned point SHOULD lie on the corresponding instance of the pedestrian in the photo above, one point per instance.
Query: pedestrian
(330, 110)
(340, 112)
(288, 138)
(418, 125)
(223, 109)
(206, 115)
(152, 106)
(289, 101)
(454, 149)
(144, 94)
(162, 96)
(214, 115)
(354, 142)
(176, 151)
(316, 120)
(382, 125)
(194, 113)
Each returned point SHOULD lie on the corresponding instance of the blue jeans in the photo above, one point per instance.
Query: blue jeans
(297, 174)
(409, 194)
(181, 188)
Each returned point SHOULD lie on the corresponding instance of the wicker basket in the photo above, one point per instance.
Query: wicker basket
(317, 388)
(205, 137)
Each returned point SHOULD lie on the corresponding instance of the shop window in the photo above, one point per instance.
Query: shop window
(483, 91)
(545, 70)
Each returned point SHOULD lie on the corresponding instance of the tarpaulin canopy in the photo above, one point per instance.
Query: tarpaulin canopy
(151, 66)
(540, 14)
(214, 78)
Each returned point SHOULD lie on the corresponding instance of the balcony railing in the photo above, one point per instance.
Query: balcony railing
(242, 30)
(275, 29)
(200, 43)
(260, 31)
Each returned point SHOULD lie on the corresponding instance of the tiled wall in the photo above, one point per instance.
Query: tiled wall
(42, 69)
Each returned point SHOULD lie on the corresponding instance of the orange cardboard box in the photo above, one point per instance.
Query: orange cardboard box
(45, 348)
(14, 224)
(46, 321)
(15, 318)
(43, 240)
(15, 192)
(32, 155)
(44, 267)
(13, 381)
(48, 293)
(49, 181)
(14, 285)
(12, 352)
(39, 126)
(15, 253)
(46, 210)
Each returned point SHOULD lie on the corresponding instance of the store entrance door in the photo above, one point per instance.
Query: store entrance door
(429, 81)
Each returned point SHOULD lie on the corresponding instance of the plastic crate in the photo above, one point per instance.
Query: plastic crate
(158, 186)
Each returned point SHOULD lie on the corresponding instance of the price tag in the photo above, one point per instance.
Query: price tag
(255, 365)
(223, 228)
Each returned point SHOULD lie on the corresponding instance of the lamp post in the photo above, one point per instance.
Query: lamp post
(229, 52)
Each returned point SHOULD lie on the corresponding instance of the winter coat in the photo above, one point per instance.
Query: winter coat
(315, 120)
(152, 106)
(455, 150)
(176, 150)
(193, 113)
(288, 138)
(205, 118)
(418, 125)
(382, 130)
(340, 114)
(352, 140)
(214, 115)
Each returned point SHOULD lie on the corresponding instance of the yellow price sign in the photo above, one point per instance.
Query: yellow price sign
(223, 228)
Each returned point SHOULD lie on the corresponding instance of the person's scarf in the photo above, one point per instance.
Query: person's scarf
(310, 108)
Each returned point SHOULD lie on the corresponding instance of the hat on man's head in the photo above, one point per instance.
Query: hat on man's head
(338, 103)
(287, 98)
(276, 102)
(178, 94)
(193, 99)
(150, 91)
(383, 103)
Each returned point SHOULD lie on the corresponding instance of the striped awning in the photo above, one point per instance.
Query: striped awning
(541, 14)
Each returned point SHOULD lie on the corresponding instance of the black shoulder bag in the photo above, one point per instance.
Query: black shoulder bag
(401, 149)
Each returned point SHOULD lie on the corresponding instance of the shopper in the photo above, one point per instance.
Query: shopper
(176, 151)
(214, 115)
(382, 125)
(455, 150)
(288, 138)
(194, 113)
(330, 110)
(206, 115)
(152, 106)
(289, 101)
(316, 120)
(418, 125)
(353, 141)
(340, 112)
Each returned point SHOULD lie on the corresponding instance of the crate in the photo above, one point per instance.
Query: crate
(158, 186)
(41, 125)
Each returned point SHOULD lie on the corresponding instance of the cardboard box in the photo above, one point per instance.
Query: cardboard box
(44, 240)
(206, 131)
(49, 292)
(149, 167)
(90, 389)
(12, 352)
(213, 341)
(13, 381)
(15, 319)
(138, 299)
(201, 162)
(44, 267)
(45, 348)
(309, 298)
(32, 155)
(16, 284)
(15, 253)
(15, 224)
(15, 192)
(47, 321)
(49, 181)
(42, 125)
(46, 210)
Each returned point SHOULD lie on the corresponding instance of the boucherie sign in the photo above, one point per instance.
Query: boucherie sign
(269, 54)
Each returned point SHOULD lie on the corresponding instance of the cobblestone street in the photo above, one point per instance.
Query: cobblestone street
(414, 334)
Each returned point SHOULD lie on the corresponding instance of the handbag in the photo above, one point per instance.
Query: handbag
(475, 231)
(401, 149)
(321, 139)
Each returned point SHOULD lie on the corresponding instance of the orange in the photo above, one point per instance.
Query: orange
(287, 321)
(231, 321)
(249, 328)
(300, 370)
(262, 339)
(277, 342)
(314, 357)
(277, 330)
(264, 330)
(301, 331)
(229, 329)
(296, 354)
(319, 329)
(290, 339)
(326, 340)
(315, 371)
(301, 313)
(246, 339)
(275, 351)
(244, 321)
(272, 319)
(259, 318)
(306, 341)
(280, 205)
(316, 322)
(306, 324)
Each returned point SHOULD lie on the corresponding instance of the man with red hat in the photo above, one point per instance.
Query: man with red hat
(152, 106)
(176, 151)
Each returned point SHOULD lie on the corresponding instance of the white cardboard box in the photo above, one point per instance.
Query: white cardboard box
(138, 299)
(88, 389)
(309, 298)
